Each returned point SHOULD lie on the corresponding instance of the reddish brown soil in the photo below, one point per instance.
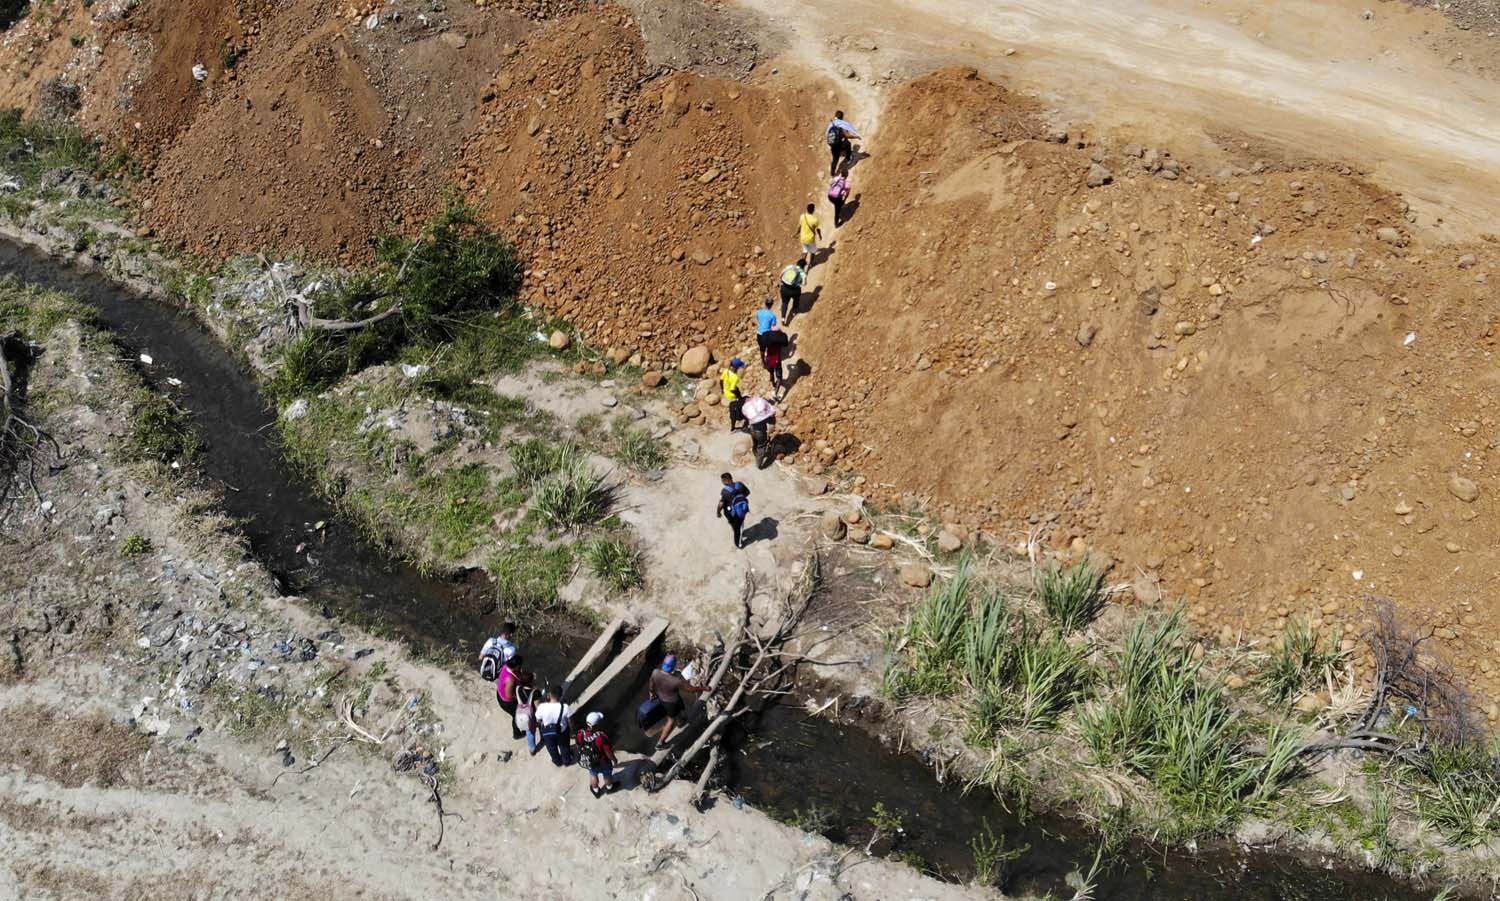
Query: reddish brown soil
(639, 204)
(1254, 466)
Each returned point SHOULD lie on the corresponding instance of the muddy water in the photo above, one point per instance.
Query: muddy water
(788, 763)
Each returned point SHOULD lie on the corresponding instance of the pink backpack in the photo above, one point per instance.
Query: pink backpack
(838, 188)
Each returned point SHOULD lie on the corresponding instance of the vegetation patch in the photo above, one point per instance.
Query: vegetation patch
(616, 563)
(160, 431)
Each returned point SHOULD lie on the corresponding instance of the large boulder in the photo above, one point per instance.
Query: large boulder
(696, 361)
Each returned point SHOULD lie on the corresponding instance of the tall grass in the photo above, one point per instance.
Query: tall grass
(574, 496)
(1458, 791)
(1175, 726)
(1301, 661)
(636, 448)
(1072, 595)
(616, 563)
(536, 458)
(933, 641)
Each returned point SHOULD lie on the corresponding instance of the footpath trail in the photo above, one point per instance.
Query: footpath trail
(1401, 94)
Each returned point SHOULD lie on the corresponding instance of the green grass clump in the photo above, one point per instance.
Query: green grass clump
(932, 643)
(31, 147)
(1049, 677)
(161, 432)
(537, 458)
(1072, 595)
(456, 505)
(1458, 791)
(616, 563)
(1175, 726)
(636, 448)
(136, 545)
(37, 312)
(526, 577)
(573, 496)
(1302, 661)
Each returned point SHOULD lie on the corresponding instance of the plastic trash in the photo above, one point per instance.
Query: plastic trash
(1410, 337)
(146, 358)
(199, 72)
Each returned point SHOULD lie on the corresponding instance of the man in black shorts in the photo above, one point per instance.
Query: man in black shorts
(667, 687)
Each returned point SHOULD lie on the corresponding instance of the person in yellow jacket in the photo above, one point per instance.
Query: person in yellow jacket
(733, 398)
(793, 278)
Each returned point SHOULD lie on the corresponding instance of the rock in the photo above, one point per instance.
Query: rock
(1184, 328)
(1452, 547)
(1234, 682)
(1464, 489)
(559, 340)
(533, 126)
(653, 379)
(1147, 588)
(708, 177)
(741, 444)
(949, 543)
(701, 258)
(1467, 261)
(1312, 702)
(1388, 235)
(882, 542)
(1402, 508)
(1098, 176)
(832, 525)
(454, 39)
(696, 361)
(859, 534)
(609, 401)
(916, 575)
(816, 486)
(1086, 333)
(853, 516)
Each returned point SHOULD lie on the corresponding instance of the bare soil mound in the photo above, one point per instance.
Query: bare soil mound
(1248, 384)
(653, 213)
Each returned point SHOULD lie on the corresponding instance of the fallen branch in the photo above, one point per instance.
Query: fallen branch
(437, 798)
(316, 763)
(700, 790)
(24, 447)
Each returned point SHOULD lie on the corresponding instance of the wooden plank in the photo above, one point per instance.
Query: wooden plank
(600, 645)
(649, 634)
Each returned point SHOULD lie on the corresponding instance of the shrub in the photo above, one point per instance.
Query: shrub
(1072, 595)
(573, 496)
(135, 546)
(615, 562)
(536, 458)
(1175, 727)
(1458, 791)
(1301, 661)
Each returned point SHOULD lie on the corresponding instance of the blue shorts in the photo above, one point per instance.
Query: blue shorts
(606, 770)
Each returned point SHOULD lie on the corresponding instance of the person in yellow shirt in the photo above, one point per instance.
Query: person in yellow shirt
(730, 379)
(810, 231)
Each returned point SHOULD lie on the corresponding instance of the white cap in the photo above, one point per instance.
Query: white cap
(595, 718)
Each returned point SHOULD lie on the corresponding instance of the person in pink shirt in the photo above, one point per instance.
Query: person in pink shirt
(838, 192)
(505, 692)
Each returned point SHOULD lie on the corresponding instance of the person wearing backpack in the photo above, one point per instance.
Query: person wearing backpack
(552, 720)
(838, 192)
(496, 651)
(506, 682)
(596, 753)
(771, 350)
(838, 135)
(734, 505)
(793, 278)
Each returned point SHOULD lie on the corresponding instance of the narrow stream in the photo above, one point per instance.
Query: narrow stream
(789, 763)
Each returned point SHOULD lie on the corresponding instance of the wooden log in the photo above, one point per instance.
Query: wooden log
(649, 634)
(595, 651)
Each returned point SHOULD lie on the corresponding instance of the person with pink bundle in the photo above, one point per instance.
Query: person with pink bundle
(838, 192)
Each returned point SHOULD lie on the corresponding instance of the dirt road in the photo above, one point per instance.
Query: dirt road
(1402, 94)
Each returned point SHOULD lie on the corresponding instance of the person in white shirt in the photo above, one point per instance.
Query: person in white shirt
(552, 719)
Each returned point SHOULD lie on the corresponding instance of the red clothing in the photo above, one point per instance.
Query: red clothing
(773, 356)
(599, 740)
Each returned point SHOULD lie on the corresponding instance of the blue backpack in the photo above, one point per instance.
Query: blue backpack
(739, 501)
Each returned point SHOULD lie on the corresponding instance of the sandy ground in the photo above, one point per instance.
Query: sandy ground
(204, 762)
(1402, 94)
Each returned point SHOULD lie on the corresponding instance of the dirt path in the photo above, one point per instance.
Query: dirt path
(1403, 94)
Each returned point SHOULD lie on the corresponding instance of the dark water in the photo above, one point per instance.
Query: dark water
(787, 763)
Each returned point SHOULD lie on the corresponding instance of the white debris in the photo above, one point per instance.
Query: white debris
(372, 21)
(200, 73)
(146, 358)
(412, 372)
(1410, 337)
(295, 410)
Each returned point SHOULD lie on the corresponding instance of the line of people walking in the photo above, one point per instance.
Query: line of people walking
(545, 721)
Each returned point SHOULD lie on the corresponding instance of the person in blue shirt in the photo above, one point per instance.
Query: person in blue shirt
(765, 318)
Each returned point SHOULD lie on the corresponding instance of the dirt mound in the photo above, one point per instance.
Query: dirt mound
(653, 213)
(1244, 383)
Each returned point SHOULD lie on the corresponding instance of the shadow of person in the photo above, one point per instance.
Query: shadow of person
(822, 256)
(855, 157)
(794, 372)
(806, 301)
(851, 206)
(628, 774)
(785, 444)
(765, 530)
